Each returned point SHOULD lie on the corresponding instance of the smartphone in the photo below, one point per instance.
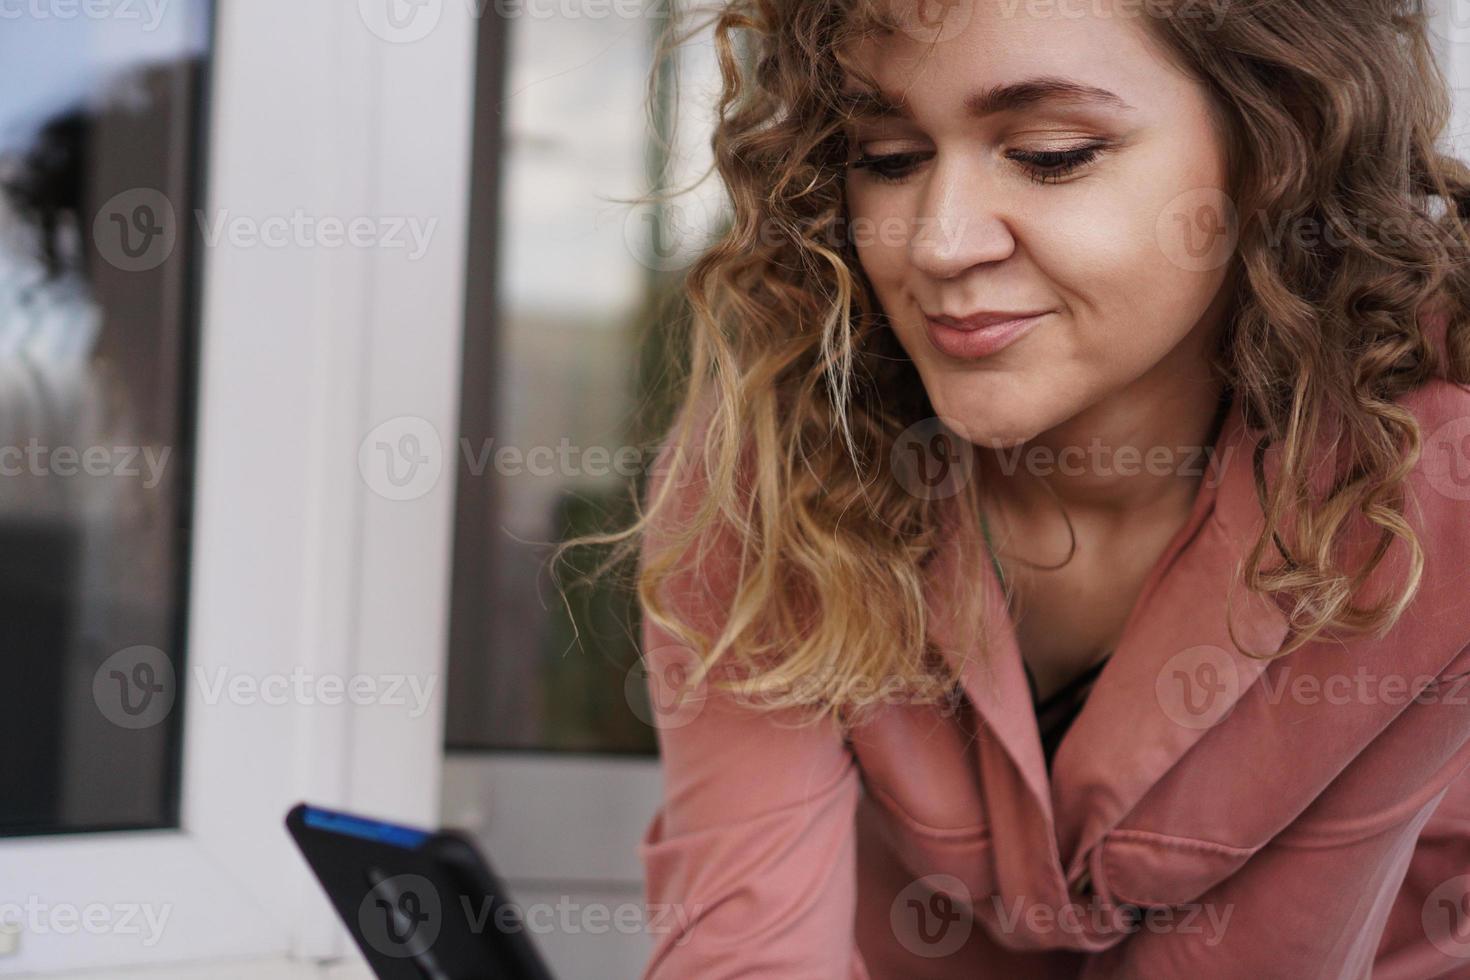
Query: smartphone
(420, 905)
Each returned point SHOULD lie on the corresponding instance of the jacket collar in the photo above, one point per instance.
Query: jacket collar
(1175, 673)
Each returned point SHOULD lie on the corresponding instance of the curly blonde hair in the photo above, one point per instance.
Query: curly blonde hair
(796, 390)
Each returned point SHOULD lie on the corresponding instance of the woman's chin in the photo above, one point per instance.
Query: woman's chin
(994, 426)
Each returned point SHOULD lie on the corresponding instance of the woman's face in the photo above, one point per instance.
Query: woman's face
(1059, 165)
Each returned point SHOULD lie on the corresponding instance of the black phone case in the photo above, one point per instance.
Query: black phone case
(434, 911)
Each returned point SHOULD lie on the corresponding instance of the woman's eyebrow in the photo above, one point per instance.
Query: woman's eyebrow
(1042, 89)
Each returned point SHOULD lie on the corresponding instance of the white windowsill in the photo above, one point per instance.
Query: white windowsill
(252, 969)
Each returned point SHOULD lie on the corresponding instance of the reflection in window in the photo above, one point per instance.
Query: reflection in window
(562, 374)
(98, 158)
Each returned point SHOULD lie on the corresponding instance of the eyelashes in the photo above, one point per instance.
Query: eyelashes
(1041, 166)
(891, 168)
(1050, 166)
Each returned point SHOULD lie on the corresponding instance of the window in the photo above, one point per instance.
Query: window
(100, 130)
(564, 390)
(297, 566)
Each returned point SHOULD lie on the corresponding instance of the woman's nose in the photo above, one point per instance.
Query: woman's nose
(961, 222)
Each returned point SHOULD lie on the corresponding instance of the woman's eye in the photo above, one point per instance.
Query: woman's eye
(1050, 166)
(890, 167)
(1042, 166)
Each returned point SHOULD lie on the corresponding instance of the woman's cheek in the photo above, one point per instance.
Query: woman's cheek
(884, 265)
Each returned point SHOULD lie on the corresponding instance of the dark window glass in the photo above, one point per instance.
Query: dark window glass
(100, 136)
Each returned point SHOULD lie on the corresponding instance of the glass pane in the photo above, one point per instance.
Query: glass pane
(99, 137)
(585, 289)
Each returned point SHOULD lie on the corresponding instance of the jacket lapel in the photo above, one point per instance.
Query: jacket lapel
(1007, 749)
(1179, 669)
(991, 668)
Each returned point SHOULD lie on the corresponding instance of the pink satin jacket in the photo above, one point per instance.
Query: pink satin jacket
(1207, 814)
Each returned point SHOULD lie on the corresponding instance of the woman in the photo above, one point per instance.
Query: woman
(1058, 566)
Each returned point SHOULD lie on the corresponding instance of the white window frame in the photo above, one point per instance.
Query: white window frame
(296, 561)
(1450, 34)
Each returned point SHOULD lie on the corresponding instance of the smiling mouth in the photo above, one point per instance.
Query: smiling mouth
(979, 334)
(983, 319)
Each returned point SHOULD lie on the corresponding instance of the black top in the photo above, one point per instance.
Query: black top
(1055, 714)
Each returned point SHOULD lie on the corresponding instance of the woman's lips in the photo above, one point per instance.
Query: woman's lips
(980, 336)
